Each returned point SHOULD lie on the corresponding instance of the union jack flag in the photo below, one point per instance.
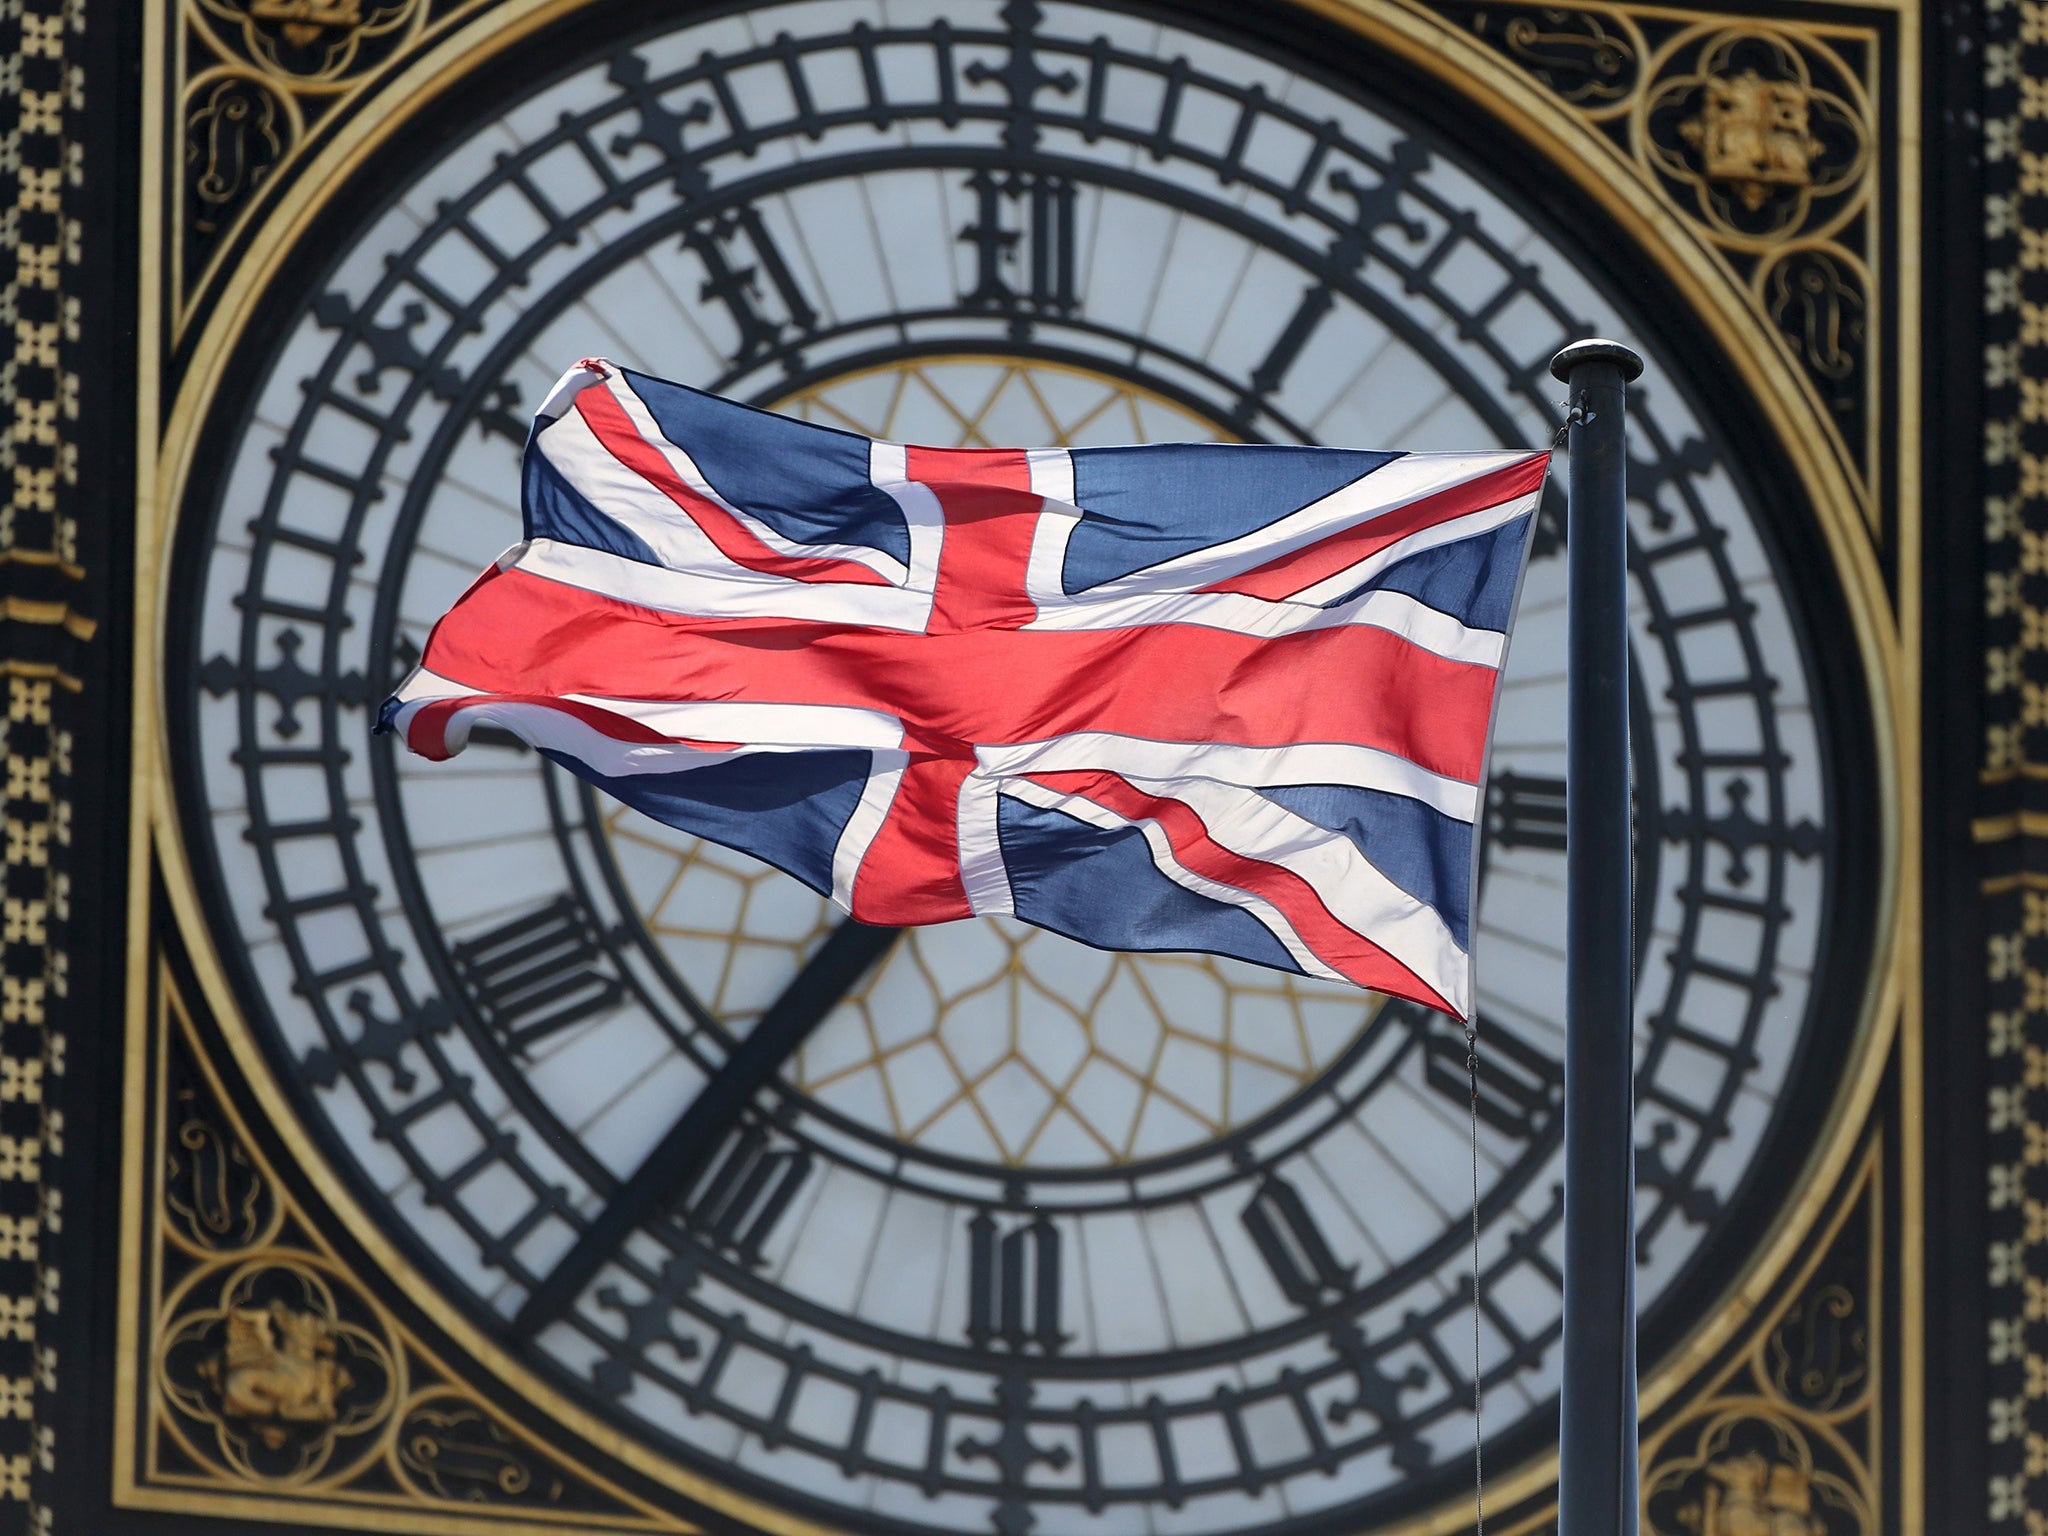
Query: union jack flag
(1178, 697)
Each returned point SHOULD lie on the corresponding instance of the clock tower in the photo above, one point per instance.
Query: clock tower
(442, 1147)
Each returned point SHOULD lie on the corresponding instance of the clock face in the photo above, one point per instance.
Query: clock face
(974, 1227)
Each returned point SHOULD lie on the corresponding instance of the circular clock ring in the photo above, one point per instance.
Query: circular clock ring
(388, 992)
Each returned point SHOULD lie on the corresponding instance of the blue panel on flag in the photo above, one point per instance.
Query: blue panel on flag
(1472, 580)
(1100, 886)
(787, 808)
(1424, 852)
(1141, 506)
(809, 483)
(556, 510)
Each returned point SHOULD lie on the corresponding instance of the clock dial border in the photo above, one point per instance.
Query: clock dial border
(189, 413)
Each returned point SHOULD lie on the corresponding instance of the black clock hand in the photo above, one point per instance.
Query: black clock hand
(680, 1155)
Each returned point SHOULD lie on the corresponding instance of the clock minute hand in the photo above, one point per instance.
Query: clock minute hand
(669, 1170)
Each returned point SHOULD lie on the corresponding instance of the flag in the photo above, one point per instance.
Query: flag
(1215, 697)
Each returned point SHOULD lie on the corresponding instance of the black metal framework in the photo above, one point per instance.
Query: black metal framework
(503, 988)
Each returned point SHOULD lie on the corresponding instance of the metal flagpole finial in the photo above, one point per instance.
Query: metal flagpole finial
(1596, 349)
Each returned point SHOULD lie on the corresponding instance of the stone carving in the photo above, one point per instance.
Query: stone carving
(278, 1368)
(1754, 135)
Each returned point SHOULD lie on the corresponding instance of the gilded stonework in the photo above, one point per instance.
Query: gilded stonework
(273, 1371)
(1783, 1440)
(1754, 136)
(45, 624)
(276, 1384)
(2013, 814)
(1762, 137)
(262, 77)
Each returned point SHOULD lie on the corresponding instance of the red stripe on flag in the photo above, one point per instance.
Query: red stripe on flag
(1337, 945)
(1353, 683)
(911, 873)
(991, 518)
(613, 428)
(1291, 573)
(428, 732)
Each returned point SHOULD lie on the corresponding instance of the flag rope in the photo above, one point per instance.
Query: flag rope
(1478, 1421)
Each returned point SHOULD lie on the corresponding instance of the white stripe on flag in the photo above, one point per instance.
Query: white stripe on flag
(889, 471)
(1161, 849)
(1389, 488)
(983, 873)
(1470, 526)
(751, 726)
(731, 592)
(1230, 763)
(1239, 613)
(685, 468)
(865, 824)
(1354, 890)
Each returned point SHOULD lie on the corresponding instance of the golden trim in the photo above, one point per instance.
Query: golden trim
(1890, 1005)
(43, 670)
(1863, 1188)
(61, 615)
(1997, 829)
(287, 1239)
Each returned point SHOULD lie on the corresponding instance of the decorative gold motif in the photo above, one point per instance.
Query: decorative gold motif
(271, 1381)
(1763, 137)
(1815, 295)
(216, 1201)
(2011, 825)
(1769, 1487)
(303, 21)
(267, 74)
(1763, 133)
(277, 1368)
(1753, 134)
(275, 1373)
(1783, 1440)
(448, 1448)
(1593, 58)
(307, 42)
(236, 129)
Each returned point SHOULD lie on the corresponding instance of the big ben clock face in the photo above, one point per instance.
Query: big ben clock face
(973, 1227)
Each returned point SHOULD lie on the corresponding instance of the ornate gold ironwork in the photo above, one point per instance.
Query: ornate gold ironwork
(275, 1372)
(1770, 1488)
(265, 75)
(265, 1377)
(304, 22)
(1783, 1439)
(276, 1369)
(1762, 136)
(1593, 58)
(450, 1449)
(1754, 135)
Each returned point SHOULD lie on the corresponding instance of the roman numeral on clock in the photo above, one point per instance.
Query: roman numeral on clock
(1519, 1086)
(1525, 810)
(1285, 1232)
(1046, 239)
(534, 975)
(1013, 1285)
(739, 287)
(745, 1193)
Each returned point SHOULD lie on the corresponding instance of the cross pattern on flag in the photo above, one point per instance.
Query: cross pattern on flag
(1218, 697)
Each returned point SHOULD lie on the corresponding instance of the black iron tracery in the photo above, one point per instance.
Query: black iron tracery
(1401, 1382)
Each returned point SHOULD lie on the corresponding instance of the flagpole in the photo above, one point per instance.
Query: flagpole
(1596, 1493)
